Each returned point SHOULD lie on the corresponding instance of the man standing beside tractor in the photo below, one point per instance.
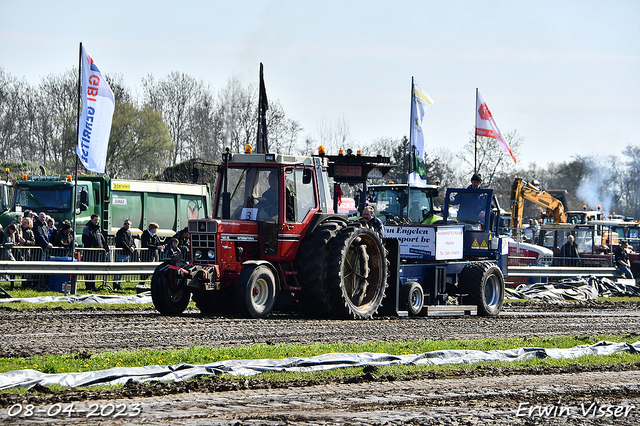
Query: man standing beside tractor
(622, 259)
(369, 216)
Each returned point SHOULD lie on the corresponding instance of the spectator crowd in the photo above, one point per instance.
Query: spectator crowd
(36, 237)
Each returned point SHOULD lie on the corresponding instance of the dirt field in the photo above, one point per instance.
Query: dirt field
(492, 396)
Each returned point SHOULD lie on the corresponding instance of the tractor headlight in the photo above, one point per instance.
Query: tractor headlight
(210, 254)
(198, 255)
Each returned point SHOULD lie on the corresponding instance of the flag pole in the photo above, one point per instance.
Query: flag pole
(259, 108)
(411, 149)
(262, 144)
(475, 138)
(75, 184)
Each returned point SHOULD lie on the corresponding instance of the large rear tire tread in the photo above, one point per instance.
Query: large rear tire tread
(169, 298)
(310, 263)
(357, 272)
(484, 285)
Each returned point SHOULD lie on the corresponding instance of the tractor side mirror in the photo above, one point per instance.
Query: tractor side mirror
(306, 176)
(195, 174)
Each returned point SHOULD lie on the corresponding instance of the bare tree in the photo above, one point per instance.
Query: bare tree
(179, 98)
(335, 135)
(491, 160)
(382, 146)
(237, 113)
(12, 114)
(310, 146)
(54, 112)
(203, 129)
(282, 132)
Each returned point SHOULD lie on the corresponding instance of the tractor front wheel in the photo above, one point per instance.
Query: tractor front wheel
(256, 291)
(168, 296)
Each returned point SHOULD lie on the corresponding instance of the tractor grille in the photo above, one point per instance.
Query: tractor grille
(203, 241)
(203, 248)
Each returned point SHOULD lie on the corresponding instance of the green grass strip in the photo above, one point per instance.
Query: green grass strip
(205, 355)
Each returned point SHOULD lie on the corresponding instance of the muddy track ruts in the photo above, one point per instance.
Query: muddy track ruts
(46, 331)
(486, 396)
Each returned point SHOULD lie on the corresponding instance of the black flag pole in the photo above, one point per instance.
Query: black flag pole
(411, 141)
(475, 136)
(262, 146)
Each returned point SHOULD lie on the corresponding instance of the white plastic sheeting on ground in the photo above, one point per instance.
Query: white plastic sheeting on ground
(101, 299)
(180, 372)
(578, 288)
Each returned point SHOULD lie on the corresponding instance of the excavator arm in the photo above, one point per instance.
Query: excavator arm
(522, 190)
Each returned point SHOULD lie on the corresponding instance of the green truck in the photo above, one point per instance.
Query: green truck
(170, 205)
(5, 201)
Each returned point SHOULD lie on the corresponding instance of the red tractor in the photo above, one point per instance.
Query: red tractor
(275, 240)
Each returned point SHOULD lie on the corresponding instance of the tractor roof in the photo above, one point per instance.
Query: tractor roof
(401, 186)
(271, 159)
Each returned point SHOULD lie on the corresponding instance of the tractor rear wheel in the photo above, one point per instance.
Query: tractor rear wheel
(484, 285)
(357, 270)
(310, 263)
(256, 291)
(168, 296)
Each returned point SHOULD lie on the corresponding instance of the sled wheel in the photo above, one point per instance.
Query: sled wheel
(484, 285)
(412, 296)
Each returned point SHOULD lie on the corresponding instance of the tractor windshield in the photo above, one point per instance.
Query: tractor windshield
(253, 192)
(401, 204)
(468, 207)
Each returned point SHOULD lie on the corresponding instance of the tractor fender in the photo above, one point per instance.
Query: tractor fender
(256, 263)
(320, 218)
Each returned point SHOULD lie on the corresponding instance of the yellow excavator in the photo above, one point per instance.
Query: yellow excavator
(522, 190)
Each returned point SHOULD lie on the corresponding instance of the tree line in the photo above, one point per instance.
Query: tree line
(174, 119)
(611, 183)
(177, 119)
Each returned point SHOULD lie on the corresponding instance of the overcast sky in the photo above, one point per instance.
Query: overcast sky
(564, 74)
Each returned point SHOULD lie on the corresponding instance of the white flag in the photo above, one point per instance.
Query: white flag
(95, 122)
(486, 126)
(420, 102)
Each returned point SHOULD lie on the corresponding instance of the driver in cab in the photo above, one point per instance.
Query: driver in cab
(471, 206)
(268, 201)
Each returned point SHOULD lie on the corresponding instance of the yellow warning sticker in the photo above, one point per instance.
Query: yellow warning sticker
(484, 244)
(121, 186)
(475, 244)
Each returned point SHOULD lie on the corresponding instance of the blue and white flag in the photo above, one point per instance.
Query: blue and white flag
(95, 122)
(420, 102)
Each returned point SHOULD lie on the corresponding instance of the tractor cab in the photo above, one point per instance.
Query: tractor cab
(404, 204)
(271, 200)
(478, 210)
